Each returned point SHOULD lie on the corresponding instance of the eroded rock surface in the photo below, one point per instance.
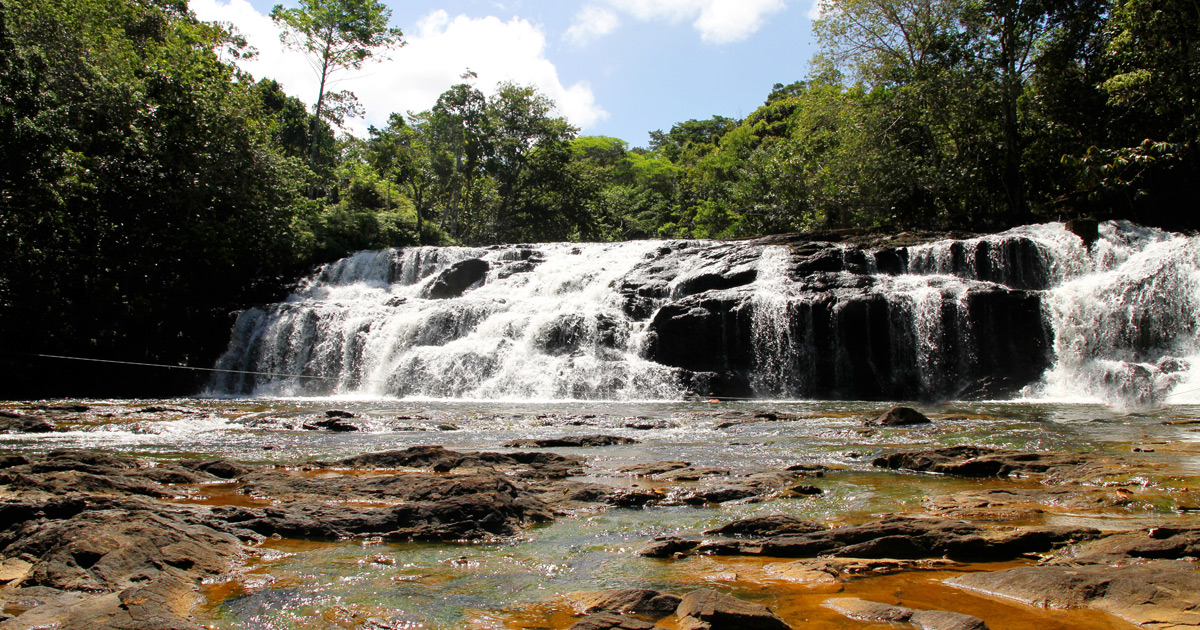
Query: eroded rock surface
(707, 609)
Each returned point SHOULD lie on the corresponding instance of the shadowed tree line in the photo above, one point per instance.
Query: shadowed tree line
(148, 187)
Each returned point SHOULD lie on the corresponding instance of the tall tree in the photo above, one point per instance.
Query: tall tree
(336, 35)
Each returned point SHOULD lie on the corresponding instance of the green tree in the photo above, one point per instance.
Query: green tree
(152, 202)
(336, 35)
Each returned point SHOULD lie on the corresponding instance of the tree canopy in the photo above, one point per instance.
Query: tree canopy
(149, 187)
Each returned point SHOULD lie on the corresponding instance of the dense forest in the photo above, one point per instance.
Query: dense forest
(148, 187)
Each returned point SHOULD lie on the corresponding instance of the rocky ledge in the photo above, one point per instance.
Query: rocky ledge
(94, 540)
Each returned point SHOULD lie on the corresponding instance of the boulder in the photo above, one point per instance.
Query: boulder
(643, 602)
(766, 526)
(898, 417)
(455, 280)
(667, 548)
(709, 609)
(336, 425)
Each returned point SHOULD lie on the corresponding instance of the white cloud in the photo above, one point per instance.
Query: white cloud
(439, 50)
(591, 22)
(718, 21)
(725, 21)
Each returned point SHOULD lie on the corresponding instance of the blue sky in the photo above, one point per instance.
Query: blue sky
(619, 68)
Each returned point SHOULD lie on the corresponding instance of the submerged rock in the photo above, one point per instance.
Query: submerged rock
(977, 461)
(865, 610)
(571, 441)
(610, 621)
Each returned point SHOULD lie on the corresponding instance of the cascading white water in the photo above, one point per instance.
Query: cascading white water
(361, 326)
(578, 321)
(1127, 320)
(1124, 312)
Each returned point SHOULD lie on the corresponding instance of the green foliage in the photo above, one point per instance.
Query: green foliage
(147, 196)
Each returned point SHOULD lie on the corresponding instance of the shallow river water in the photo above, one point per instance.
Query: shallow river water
(523, 583)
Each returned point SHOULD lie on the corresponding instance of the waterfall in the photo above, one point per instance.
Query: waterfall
(1126, 320)
(1031, 312)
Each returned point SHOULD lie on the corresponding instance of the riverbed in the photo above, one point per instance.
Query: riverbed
(526, 581)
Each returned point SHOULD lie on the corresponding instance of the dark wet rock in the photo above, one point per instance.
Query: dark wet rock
(692, 474)
(856, 337)
(454, 281)
(165, 409)
(62, 408)
(1162, 593)
(335, 424)
(898, 417)
(709, 609)
(656, 468)
(643, 602)
(20, 423)
(977, 461)
(702, 496)
(571, 441)
(908, 537)
(732, 419)
(610, 621)
(339, 413)
(63, 472)
(220, 468)
(865, 610)
(26, 479)
(766, 526)
(804, 490)
(8, 461)
(1012, 504)
(648, 424)
(1157, 543)
(667, 548)
(424, 507)
(533, 465)
(448, 427)
(636, 497)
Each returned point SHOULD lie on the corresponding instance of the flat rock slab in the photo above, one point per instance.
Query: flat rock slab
(978, 461)
(906, 538)
(766, 526)
(572, 441)
(866, 610)
(708, 609)
(1163, 594)
(642, 602)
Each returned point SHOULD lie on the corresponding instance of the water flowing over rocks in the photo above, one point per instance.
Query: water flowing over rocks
(790, 317)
